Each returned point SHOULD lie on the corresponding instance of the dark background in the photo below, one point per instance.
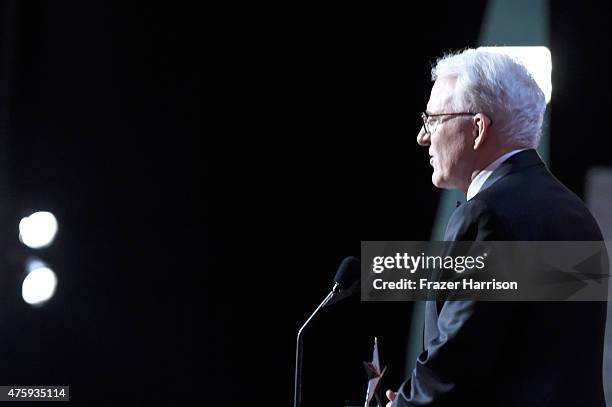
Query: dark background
(211, 168)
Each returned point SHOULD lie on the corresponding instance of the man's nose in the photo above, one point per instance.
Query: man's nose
(423, 138)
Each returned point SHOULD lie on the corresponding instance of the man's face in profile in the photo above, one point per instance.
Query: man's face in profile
(450, 144)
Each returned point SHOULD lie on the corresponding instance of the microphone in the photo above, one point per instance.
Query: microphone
(346, 283)
(346, 280)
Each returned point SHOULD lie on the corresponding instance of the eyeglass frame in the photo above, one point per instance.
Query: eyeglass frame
(425, 117)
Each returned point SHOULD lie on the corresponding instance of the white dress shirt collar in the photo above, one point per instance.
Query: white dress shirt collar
(481, 177)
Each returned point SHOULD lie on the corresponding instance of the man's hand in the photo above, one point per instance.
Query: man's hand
(391, 395)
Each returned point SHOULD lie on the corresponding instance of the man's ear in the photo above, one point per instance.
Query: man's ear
(481, 129)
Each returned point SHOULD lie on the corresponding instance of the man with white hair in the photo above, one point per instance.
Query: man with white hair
(481, 128)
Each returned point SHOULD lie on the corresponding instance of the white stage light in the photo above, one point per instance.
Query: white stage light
(39, 286)
(38, 230)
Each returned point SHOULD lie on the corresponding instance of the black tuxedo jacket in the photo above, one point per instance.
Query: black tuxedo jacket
(513, 353)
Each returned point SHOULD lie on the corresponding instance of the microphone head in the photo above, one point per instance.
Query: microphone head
(348, 273)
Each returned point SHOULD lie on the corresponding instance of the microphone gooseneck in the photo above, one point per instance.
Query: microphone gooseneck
(346, 277)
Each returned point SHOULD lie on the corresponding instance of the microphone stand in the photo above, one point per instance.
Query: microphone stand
(297, 388)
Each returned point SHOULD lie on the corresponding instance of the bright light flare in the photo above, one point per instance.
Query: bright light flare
(39, 286)
(38, 230)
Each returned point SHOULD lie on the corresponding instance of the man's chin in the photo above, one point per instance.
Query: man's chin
(436, 181)
(439, 182)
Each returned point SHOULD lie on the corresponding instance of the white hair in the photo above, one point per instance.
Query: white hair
(500, 87)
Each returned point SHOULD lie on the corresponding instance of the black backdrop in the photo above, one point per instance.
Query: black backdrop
(211, 168)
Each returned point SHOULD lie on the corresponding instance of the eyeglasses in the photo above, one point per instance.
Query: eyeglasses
(430, 125)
